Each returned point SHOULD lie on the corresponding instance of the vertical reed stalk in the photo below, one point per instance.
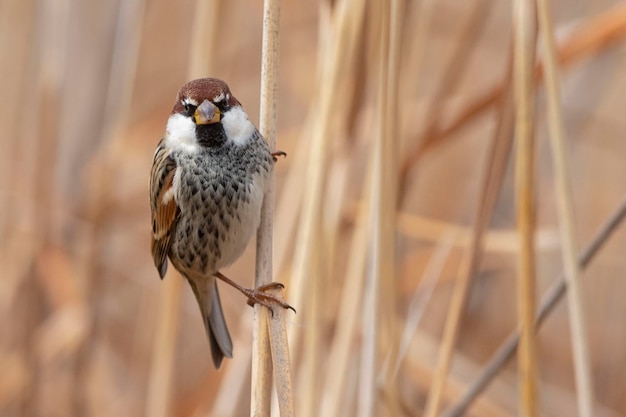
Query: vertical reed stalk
(158, 397)
(382, 229)
(340, 350)
(389, 337)
(304, 282)
(565, 209)
(275, 335)
(524, 58)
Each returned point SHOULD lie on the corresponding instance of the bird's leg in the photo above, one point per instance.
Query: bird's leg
(258, 295)
(276, 154)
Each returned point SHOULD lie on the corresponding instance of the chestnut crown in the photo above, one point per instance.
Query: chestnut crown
(196, 91)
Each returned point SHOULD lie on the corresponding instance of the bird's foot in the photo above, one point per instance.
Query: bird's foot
(259, 296)
(276, 154)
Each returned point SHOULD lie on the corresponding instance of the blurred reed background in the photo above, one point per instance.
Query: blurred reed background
(395, 214)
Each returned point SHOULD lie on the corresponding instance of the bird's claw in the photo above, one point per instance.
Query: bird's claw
(259, 296)
(276, 154)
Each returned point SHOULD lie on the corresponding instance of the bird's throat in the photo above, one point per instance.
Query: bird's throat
(211, 135)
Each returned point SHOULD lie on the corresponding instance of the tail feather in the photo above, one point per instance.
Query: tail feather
(213, 317)
(221, 344)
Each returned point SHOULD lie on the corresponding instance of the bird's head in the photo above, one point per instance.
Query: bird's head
(207, 114)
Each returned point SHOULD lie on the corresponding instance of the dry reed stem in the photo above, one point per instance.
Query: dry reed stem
(205, 25)
(123, 69)
(262, 352)
(20, 239)
(53, 50)
(565, 210)
(524, 57)
(16, 31)
(309, 365)
(492, 181)
(158, 397)
(502, 241)
(304, 278)
(287, 211)
(591, 36)
(549, 301)
(159, 391)
(340, 349)
(309, 239)
(424, 292)
(281, 362)
(347, 103)
(233, 386)
(377, 301)
(389, 336)
(301, 281)
(290, 199)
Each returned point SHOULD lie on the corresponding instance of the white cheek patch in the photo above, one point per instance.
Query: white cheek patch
(237, 126)
(181, 134)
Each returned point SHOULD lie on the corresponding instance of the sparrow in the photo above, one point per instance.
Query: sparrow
(209, 176)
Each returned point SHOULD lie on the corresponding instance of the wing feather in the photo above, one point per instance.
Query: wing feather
(163, 205)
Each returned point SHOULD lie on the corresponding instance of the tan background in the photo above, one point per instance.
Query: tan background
(81, 110)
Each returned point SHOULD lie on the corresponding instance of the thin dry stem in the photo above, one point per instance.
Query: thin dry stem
(565, 209)
(159, 389)
(346, 105)
(383, 225)
(341, 346)
(290, 200)
(500, 241)
(524, 52)
(309, 239)
(389, 336)
(233, 387)
(123, 69)
(281, 362)
(262, 352)
(424, 292)
(205, 26)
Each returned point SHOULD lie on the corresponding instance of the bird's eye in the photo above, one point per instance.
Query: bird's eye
(189, 108)
(222, 104)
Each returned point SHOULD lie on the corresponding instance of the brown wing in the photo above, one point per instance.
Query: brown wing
(163, 205)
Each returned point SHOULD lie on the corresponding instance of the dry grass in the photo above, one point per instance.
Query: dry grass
(395, 221)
